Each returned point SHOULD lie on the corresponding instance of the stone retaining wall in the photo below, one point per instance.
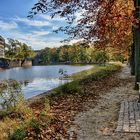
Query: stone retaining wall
(26, 63)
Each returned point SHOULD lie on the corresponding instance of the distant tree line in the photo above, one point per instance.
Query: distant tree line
(80, 52)
(77, 53)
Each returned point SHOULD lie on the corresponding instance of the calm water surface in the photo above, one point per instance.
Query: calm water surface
(38, 79)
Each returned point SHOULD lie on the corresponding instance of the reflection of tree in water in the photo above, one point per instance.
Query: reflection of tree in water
(63, 73)
(10, 94)
(24, 83)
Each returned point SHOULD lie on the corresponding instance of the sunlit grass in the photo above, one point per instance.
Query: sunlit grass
(95, 70)
(95, 73)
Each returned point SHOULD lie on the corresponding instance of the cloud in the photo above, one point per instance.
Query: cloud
(32, 22)
(75, 41)
(36, 33)
(40, 43)
(5, 26)
(36, 39)
(40, 33)
(48, 18)
(78, 16)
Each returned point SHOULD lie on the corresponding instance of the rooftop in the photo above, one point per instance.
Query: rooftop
(1, 38)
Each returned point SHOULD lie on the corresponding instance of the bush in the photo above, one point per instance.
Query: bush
(100, 57)
(3, 114)
(10, 94)
(32, 123)
(118, 57)
(68, 88)
(18, 134)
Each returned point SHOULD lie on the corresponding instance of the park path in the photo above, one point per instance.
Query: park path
(100, 122)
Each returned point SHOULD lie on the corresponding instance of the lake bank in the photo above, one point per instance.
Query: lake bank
(96, 72)
(68, 100)
(62, 105)
(39, 79)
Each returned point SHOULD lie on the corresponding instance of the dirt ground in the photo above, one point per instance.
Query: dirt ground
(99, 121)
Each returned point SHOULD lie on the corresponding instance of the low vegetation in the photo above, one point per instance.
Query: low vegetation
(94, 74)
(17, 120)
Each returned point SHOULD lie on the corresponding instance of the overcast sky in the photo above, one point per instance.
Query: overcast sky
(37, 32)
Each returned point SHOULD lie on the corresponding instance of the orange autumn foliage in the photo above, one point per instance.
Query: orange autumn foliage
(109, 22)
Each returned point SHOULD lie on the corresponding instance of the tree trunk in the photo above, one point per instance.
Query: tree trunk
(22, 62)
(137, 53)
(132, 59)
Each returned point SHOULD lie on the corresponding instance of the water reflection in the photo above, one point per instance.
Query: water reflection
(38, 86)
(11, 91)
(38, 79)
(40, 72)
(24, 83)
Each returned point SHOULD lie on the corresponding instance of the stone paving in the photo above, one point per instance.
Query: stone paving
(129, 117)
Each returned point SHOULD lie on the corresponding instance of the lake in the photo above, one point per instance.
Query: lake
(38, 79)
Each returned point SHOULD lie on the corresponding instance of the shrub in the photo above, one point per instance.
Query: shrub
(100, 57)
(22, 109)
(118, 57)
(32, 123)
(68, 88)
(10, 94)
(6, 127)
(18, 134)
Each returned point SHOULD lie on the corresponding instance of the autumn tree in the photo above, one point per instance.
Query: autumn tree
(109, 22)
(15, 50)
(10, 50)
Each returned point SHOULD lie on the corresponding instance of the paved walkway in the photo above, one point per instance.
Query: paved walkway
(129, 117)
(100, 122)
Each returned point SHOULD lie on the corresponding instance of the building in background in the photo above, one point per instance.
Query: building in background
(2, 47)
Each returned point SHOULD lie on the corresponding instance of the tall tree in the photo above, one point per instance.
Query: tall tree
(108, 21)
(10, 50)
(16, 50)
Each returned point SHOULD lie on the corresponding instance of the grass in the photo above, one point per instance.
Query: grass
(24, 122)
(95, 73)
(95, 70)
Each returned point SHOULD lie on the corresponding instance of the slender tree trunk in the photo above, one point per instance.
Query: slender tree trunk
(137, 54)
(22, 62)
(132, 59)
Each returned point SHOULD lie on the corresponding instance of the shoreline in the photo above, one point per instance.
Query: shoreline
(73, 76)
(40, 96)
(44, 94)
(84, 73)
(63, 103)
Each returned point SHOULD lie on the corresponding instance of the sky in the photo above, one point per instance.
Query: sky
(36, 32)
